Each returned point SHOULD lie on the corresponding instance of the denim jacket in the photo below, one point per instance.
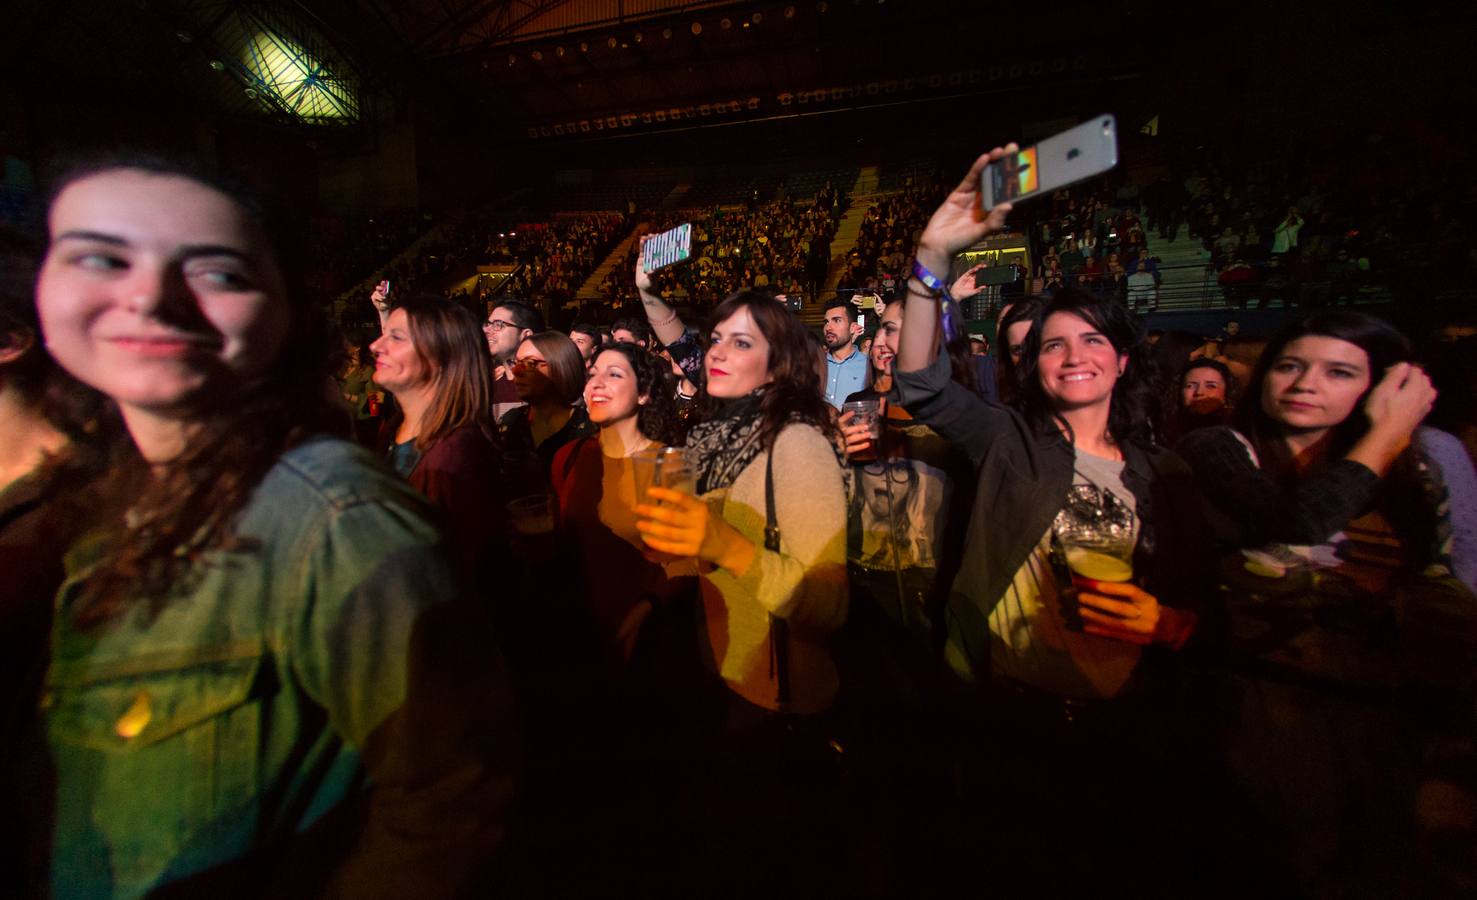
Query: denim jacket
(229, 723)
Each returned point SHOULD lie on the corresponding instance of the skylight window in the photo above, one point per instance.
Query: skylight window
(287, 78)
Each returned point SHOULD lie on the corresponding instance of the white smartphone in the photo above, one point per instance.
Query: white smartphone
(861, 320)
(1074, 155)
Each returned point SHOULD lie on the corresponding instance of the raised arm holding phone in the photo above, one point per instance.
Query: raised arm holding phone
(1067, 478)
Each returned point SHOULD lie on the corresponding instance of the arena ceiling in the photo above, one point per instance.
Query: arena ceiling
(547, 69)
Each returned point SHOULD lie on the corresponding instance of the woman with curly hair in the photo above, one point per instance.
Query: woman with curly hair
(631, 398)
(259, 636)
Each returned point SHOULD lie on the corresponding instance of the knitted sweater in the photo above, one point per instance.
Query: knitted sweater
(804, 583)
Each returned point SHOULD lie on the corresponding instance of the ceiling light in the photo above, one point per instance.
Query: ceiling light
(611, 43)
(637, 37)
(697, 27)
(725, 23)
(217, 65)
(757, 18)
(666, 34)
(538, 55)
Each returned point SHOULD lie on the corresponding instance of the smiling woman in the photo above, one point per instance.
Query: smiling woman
(1039, 643)
(433, 359)
(252, 585)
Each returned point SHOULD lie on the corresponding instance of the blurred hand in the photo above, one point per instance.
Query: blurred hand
(380, 297)
(643, 277)
(966, 286)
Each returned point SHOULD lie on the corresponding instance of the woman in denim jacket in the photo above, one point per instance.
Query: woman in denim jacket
(263, 677)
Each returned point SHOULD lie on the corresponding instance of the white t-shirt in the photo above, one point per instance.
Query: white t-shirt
(1030, 640)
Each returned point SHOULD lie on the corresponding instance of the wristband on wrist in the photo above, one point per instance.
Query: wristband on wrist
(918, 288)
(948, 319)
(667, 321)
(927, 278)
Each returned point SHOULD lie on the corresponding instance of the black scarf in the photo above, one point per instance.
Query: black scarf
(723, 446)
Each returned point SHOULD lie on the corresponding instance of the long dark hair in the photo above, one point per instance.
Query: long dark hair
(182, 509)
(1132, 402)
(1377, 338)
(657, 418)
(794, 394)
(1027, 309)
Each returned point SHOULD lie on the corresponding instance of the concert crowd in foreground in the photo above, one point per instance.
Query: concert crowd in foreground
(649, 616)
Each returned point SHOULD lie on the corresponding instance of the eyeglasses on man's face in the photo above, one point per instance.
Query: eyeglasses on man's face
(496, 325)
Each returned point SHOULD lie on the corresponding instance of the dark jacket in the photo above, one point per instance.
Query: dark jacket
(459, 475)
(1025, 473)
(1251, 508)
(518, 438)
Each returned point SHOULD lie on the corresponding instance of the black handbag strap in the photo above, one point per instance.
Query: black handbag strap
(779, 629)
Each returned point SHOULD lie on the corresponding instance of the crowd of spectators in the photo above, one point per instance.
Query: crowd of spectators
(782, 246)
(1321, 225)
(347, 249)
(553, 258)
(1092, 238)
(888, 235)
(1237, 583)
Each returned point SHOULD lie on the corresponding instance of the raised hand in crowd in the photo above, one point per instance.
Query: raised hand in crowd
(966, 285)
(959, 221)
(380, 297)
(664, 320)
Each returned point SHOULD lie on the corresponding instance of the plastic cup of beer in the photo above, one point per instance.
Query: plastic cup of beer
(532, 516)
(1098, 558)
(644, 467)
(869, 413)
(674, 471)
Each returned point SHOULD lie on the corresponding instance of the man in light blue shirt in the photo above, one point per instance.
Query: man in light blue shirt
(846, 368)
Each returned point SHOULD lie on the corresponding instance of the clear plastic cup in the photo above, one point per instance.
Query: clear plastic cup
(869, 413)
(532, 516)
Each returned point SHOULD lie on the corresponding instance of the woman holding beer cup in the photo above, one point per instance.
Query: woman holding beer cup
(1073, 678)
(771, 596)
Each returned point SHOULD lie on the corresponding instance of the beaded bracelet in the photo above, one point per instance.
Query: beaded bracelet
(667, 321)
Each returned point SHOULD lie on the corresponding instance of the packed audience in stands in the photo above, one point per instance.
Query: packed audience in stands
(774, 246)
(499, 609)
